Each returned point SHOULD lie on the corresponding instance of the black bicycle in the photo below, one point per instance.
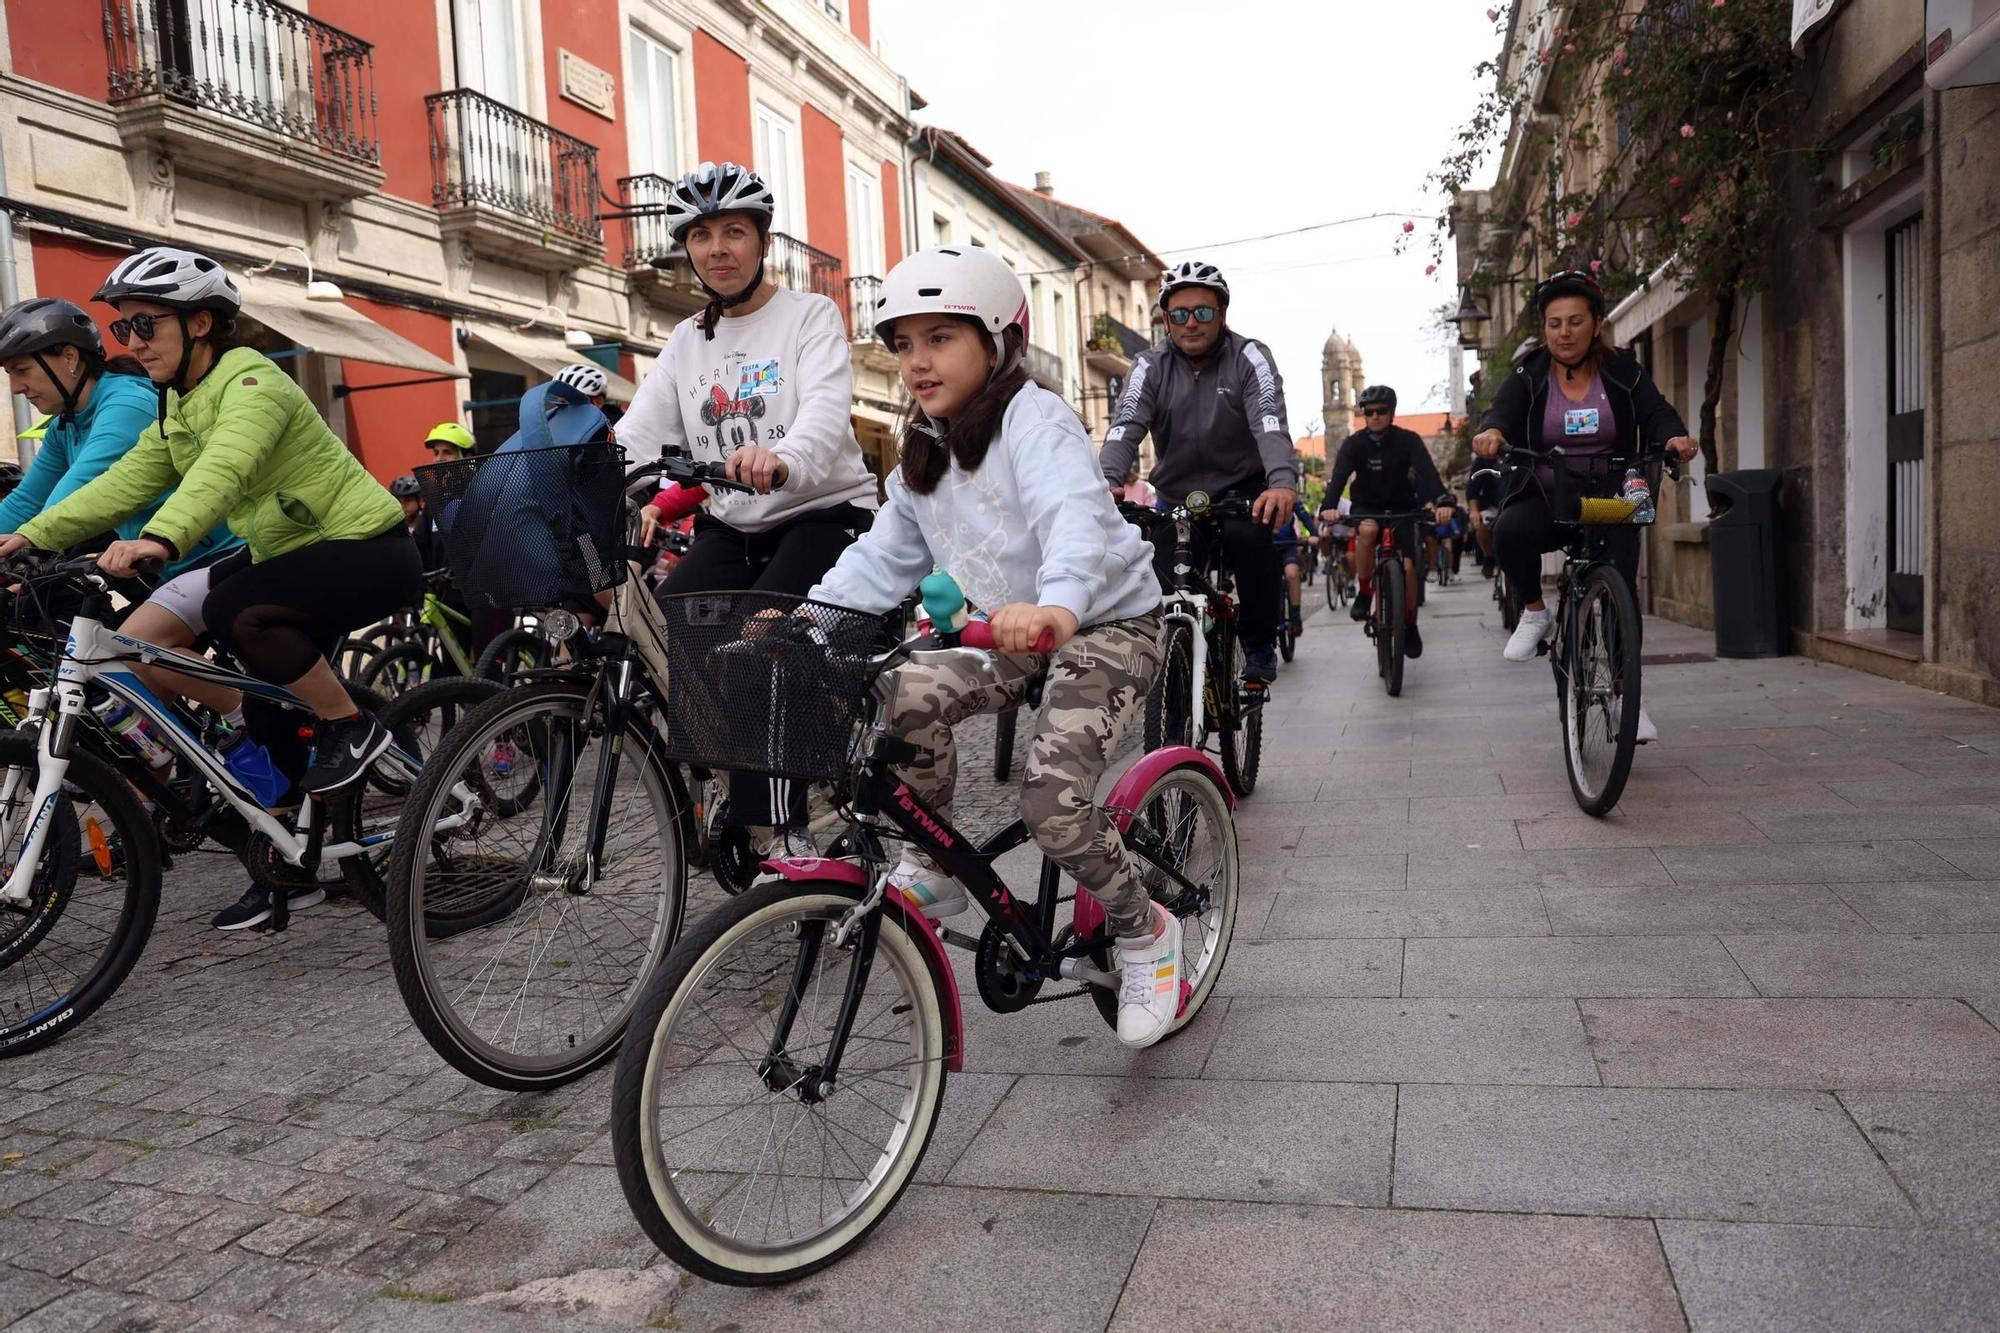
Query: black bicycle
(1388, 618)
(1201, 696)
(1594, 645)
(784, 1070)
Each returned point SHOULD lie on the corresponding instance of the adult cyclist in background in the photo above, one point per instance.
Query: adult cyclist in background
(1287, 543)
(1392, 472)
(98, 407)
(1593, 399)
(449, 442)
(1215, 405)
(759, 381)
(324, 551)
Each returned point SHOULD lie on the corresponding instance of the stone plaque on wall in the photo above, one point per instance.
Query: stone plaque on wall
(588, 86)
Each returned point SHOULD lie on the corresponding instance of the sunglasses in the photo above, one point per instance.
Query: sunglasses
(1378, 412)
(143, 325)
(1200, 314)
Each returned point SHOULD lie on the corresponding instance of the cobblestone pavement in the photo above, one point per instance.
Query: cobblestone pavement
(1726, 1060)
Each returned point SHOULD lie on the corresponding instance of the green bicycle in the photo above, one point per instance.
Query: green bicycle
(435, 647)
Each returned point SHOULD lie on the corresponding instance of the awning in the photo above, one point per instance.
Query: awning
(545, 354)
(334, 328)
(1646, 306)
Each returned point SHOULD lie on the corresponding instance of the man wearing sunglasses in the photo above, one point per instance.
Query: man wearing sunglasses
(1216, 407)
(1393, 473)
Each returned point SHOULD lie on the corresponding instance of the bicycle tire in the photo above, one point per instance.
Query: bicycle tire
(1003, 744)
(1239, 761)
(1510, 605)
(1169, 707)
(89, 783)
(354, 652)
(511, 653)
(399, 668)
(1212, 951)
(1597, 795)
(1334, 600)
(1390, 617)
(1287, 642)
(1225, 675)
(684, 1229)
(489, 892)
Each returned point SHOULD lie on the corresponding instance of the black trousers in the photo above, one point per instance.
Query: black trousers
(281, 616)
(1252, 557)
(1526, 531)
(789, 558)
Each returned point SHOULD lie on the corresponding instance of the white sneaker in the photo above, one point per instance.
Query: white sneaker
(1528, 635)
(931, 891)
(1150, 997)
(1647, 731)
(792, 844)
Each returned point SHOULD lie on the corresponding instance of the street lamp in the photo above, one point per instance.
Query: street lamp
(317, 289)
(576, 338)
(1469, 317)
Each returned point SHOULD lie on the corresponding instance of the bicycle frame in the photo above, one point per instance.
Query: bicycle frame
(448, 624)
(93, 653)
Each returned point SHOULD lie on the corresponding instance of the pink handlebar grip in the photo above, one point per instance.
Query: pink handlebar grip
(979, 634)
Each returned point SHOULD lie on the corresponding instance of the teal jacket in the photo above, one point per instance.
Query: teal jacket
(77, 450)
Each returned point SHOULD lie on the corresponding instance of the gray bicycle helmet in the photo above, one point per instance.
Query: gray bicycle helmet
(181, 279)
(405, 487)
(43, 324)
(718, 187)
(1376, 393)
(1193, 273)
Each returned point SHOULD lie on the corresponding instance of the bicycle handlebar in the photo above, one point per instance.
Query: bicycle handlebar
(979, 634)
(688, 472)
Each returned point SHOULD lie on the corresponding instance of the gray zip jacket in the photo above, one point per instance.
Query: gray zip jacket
(1219, 428)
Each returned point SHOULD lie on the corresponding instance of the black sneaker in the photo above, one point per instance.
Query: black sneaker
(343, 750)
(1413, 642)
(1364, 602)
(254, 907)
(1260, 665)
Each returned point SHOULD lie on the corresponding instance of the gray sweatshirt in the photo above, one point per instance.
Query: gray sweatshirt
(1034, 524)
(1219, 428)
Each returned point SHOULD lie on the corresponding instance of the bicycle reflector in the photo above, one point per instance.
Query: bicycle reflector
(104, 849)
(1597, 511)
(1197, 503)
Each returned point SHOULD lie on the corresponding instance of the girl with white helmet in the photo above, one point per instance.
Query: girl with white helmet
(325, 550)
(998, 485)
(761, 382)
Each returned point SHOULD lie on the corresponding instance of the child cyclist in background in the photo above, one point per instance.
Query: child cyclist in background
(998, 484)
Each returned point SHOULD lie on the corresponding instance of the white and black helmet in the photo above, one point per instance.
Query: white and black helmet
(953, 280)
(718, 187)
(1194, 273)
(585, 378)
(181, 279)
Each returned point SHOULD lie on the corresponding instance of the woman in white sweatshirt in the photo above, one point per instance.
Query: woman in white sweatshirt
(760, 381)
(998, 485)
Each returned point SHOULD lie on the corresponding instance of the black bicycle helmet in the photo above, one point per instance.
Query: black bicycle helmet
(405, 487)
(45, 323)
(1377, 393)
(1570, 282)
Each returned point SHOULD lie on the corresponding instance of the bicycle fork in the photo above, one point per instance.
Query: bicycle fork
(55, 738)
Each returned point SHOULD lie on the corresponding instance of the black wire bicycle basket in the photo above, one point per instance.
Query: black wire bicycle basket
(531, 528)
(761, 682)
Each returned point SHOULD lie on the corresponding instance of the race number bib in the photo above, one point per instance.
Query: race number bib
(1580, 421)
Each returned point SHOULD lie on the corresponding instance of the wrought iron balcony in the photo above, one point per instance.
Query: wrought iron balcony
(792, 263)
(255, 61)
(486, 154)
(1047, 369)
(865, 292)
(647, 243)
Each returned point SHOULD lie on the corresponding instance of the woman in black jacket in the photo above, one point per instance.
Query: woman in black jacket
(1579, 392)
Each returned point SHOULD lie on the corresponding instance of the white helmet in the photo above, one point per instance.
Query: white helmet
(178, 278)
(718, 187)
(953, 280)
(585, 378)
(1194, 273)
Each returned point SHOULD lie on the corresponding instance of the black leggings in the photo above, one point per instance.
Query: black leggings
(1526, 531)
(789, 558)
(280, 616)
(1252, 556)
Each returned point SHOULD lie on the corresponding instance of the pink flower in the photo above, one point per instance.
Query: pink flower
(1409, 227)
(1569, 48)
(1718, 4)
(1430, 269)
(1573, 221)
(1596, 265)
(1492, 16)
(1618, 56)
(1674, 181)
(1687, 131)
(1542, 54)
(1686, 218)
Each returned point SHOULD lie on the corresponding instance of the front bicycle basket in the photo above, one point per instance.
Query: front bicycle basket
(761, 682)
(535, 527)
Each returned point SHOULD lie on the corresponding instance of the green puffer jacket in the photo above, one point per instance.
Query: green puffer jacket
(245, 444)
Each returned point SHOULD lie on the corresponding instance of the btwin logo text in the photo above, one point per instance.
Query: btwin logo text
(914, 811)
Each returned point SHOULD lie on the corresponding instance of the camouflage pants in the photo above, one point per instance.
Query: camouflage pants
(1094, 682)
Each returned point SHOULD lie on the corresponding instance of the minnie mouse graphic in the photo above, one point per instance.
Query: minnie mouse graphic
(732, 418)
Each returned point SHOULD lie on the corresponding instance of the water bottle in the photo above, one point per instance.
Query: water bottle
(131, 728)
(944, 603)
(252, 766)
(1639, 495)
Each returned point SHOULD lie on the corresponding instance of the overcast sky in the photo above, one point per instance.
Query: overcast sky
(1194, 123)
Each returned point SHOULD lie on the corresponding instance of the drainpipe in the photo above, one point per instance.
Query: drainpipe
(10, 292)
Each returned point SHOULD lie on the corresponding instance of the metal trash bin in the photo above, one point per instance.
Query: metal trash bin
(1743, 544)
